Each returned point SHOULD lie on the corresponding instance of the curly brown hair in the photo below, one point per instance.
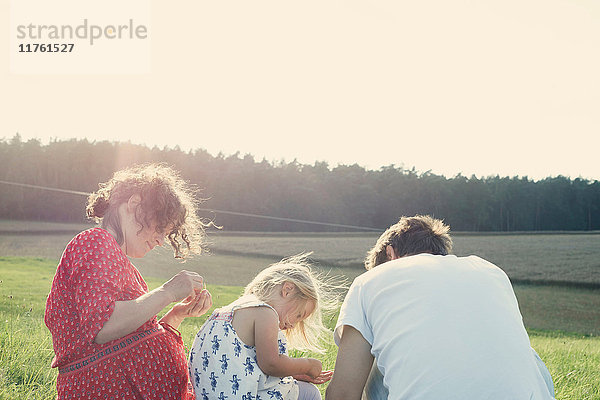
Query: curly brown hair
(409, 236)
(166, 199)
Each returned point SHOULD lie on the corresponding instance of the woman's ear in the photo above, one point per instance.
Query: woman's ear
(287, 289)
(133, 202)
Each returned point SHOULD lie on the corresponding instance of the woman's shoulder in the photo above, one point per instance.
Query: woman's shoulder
(95, 233)
(89, 250)
(93, 236)
(93, 243)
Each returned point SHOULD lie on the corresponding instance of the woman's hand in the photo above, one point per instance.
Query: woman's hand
(323, 377)
(183, 285)
(194, 305)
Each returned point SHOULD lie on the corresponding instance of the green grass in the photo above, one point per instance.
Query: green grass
(573, 361)
(26, 348)
(25, 343)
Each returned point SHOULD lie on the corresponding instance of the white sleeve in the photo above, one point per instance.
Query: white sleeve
(353, 313)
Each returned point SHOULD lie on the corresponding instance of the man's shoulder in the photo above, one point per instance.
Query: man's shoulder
(434, 259)
(420, 265)
(406, 263)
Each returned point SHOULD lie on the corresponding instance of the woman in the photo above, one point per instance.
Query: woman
(107, 340)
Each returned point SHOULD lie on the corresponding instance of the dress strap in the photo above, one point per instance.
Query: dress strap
(248, 301)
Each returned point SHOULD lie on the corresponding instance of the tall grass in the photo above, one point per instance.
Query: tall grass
(573, 361)
(25, 343)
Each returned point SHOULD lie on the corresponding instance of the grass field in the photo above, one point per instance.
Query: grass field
(559, 258)
(563, 320)
(562, 259)
(26, 348)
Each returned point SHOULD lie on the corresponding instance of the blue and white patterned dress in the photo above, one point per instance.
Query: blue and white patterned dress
(222, 367)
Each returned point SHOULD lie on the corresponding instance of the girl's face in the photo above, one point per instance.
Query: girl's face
(294, 311)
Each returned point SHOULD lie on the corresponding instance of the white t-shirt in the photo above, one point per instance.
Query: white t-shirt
(444, 327)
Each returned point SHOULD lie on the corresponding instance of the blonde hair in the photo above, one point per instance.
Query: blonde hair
(165, 199)
(307, 334)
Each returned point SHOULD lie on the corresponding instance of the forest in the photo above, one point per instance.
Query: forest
(342, 194)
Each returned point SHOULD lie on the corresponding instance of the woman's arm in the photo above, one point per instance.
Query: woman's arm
(266, 328)
(129, 315)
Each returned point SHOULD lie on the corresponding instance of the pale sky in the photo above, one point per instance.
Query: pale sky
(477, 87)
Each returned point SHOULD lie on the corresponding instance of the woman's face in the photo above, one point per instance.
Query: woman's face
(139, 240)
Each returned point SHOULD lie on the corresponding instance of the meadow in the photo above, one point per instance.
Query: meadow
(563, 319)
(563, 259)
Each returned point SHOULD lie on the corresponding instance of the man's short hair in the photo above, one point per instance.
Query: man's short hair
(411, 235)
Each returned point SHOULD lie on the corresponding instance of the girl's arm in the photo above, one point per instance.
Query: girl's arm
(266, 328)
(129, 315)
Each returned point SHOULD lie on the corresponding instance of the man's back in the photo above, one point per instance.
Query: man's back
(444, 327)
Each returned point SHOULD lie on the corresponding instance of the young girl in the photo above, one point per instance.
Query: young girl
(241, 350)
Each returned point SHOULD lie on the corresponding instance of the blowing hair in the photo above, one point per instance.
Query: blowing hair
(409, 236)
(309, 333)
(165, 199)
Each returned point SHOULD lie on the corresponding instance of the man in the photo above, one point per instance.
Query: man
(438, 326)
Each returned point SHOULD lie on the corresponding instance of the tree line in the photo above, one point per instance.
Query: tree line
(344, 194)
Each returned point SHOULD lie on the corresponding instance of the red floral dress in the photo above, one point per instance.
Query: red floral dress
(149, 363)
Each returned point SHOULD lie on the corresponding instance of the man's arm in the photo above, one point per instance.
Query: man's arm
(352, 366)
